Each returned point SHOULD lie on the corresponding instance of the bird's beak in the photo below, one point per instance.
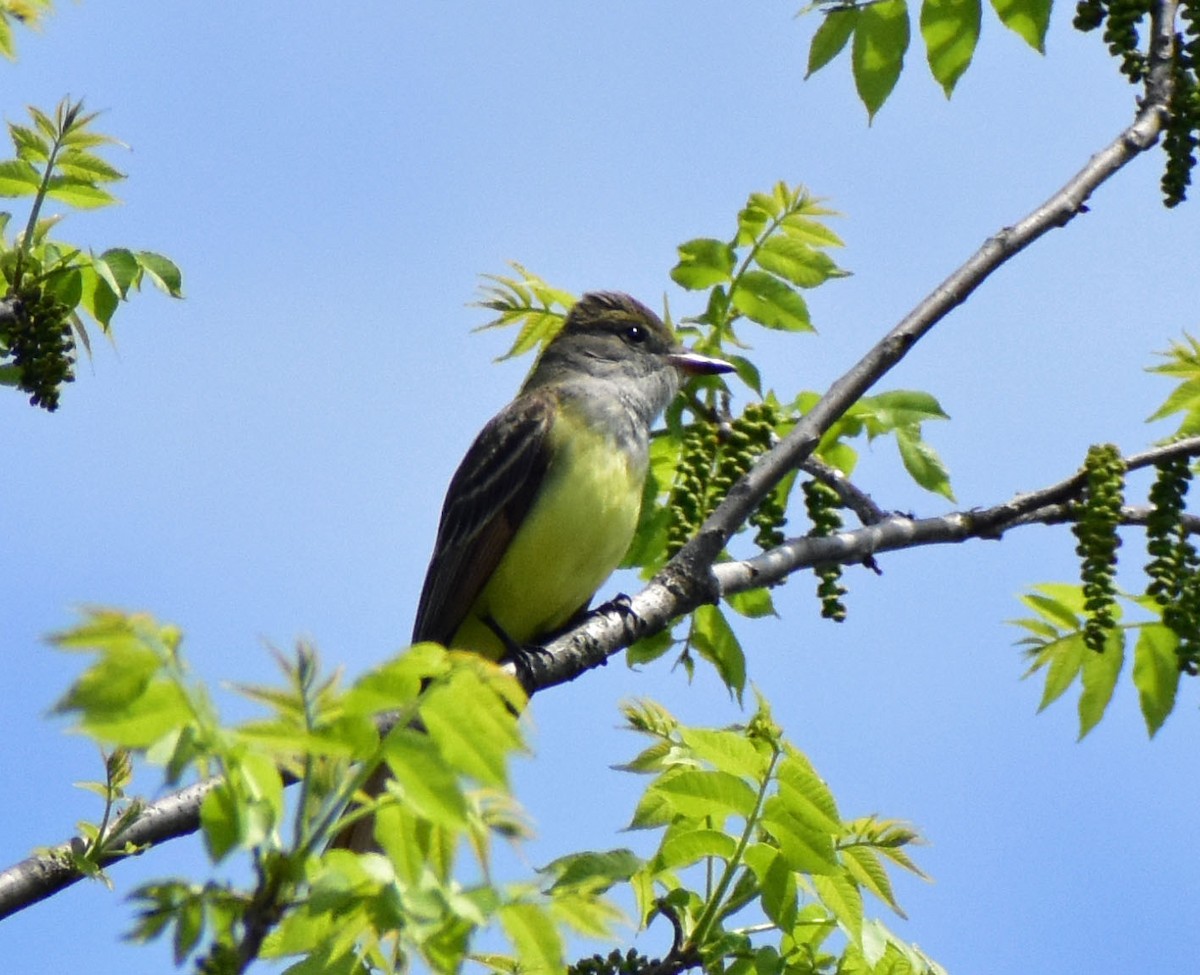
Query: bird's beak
(695, 364)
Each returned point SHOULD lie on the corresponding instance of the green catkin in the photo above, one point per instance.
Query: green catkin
(1120, 20)
(821, 502)
(615, 963)
(694, 471)
(712, 459)
(39, 340)
(1174, 583)
(1095, 529)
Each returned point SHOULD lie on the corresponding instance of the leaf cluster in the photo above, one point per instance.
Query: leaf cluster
(1068, 618)
(453, 730)
(755, 868)
(878, 33)
(48, 283)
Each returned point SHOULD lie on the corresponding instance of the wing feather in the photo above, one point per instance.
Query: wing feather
(486, 502)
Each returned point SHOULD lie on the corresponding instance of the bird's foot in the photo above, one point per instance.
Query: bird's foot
(620, 604)
(523, 657)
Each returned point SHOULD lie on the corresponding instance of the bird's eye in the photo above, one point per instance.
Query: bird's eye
(636, 334)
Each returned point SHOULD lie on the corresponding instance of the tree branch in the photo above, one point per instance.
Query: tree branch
(690, 579)
(46, 873)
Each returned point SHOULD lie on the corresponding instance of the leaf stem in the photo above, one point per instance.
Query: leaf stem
(712, 910)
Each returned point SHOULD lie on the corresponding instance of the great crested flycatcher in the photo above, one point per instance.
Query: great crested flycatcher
(544, 505)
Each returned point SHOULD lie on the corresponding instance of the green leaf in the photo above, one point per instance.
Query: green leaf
(219, 821)
(534, 936)
(752, 603)
(951, 31)
(831, 37)
(119, 267)
(777, 882)
(66, 286)
(765, 299)
(1099, 676)
(880, 41)
(746, 371)
(1059, 602)
(79, 193)
(900, 408)
(595, 871)
(44, 123)
(864, 865)
(794, 261)
(1065, 657)
(97, 296)
(30, 146)
(654, 809)
(698, 794)
(18, 178)
(728, 750)
(839, 893)
(586, 914)
(922, 462)
(472, 726)
(703, 262)
(806, 848)
(426, 781)
(804, 229)
(86, 167)
(716, 642)
(162, 271)
(1156, 673)
(805, 795)
(1029, 18)
(649, 648)
(681, 850)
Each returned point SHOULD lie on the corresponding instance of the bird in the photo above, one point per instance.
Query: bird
(545, 503)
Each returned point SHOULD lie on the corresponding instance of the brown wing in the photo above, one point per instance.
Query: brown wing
(486, 502)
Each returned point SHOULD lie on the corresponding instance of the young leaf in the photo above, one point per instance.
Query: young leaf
(864, 866)
(30, 146)
(795, 261)
(922, 462)
(716, 642)
(880, 41)
(1099, 676)
(831, 37)
(728, 750)
(681, 850)
(806, 849)
(1156, 673)
(80, 193)
(595, 871)
(765, 299)
(534, 936)
(777, 881)
(703, 262)
(162, 271)
(951, 31)
(698, 794)
(18, 178)
(841, 895)
(119, 267)
(426, 780)
(1065, 657)
(1028, 18)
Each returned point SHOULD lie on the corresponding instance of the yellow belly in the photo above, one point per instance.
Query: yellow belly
(573, 537)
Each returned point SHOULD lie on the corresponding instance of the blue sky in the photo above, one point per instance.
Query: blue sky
(266, 459)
